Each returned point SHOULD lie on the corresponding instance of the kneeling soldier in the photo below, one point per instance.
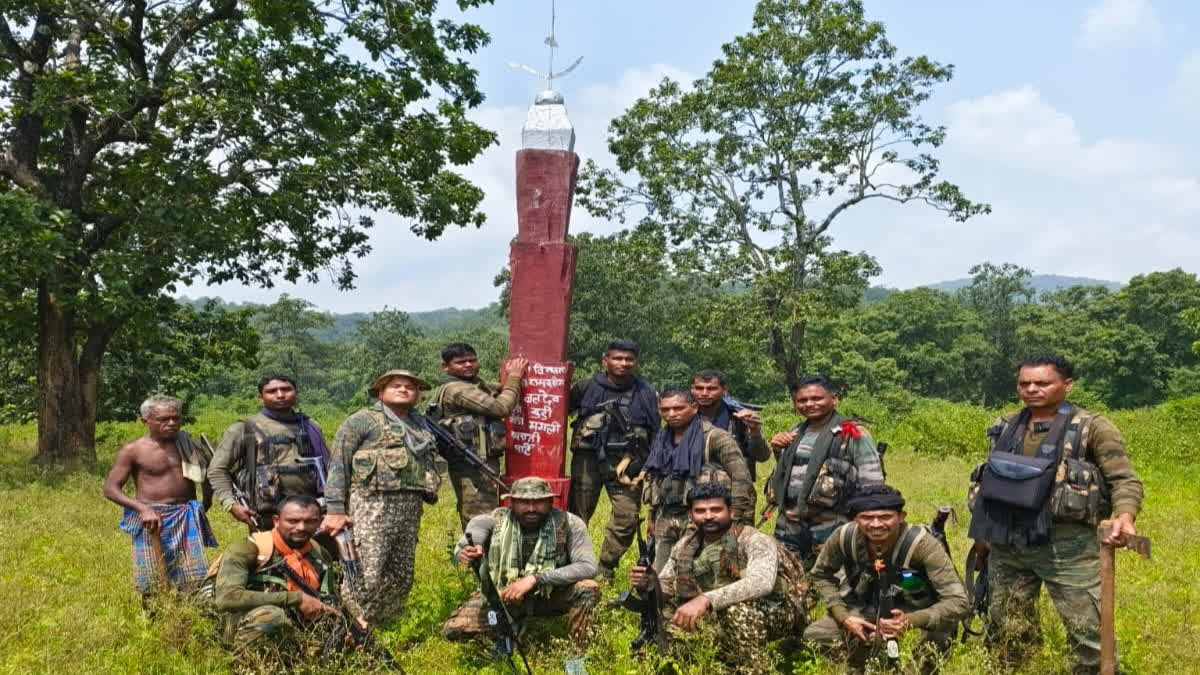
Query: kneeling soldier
(539, 558)
(880, 553)
(261, 598)
(755, 588)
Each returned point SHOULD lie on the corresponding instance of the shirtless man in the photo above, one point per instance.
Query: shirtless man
(167, 524)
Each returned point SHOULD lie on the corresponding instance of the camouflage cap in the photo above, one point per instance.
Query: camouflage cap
(396, 372)
(530, 487)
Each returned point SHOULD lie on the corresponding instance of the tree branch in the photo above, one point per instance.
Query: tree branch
(20, 174)
(179, 40)
(15, 51)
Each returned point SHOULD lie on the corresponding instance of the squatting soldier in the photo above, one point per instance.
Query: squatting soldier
(820, 462)
(380, 476)
(687, 451)
(875, 552)
(539, 559)
(598, 400)
(166, 464)
(270, 455)
(259, 600)
(1054, 471)
(755, 589)
(473, 411)
(710, 390)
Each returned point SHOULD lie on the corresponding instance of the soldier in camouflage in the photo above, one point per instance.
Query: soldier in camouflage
(541, 562)
(259, 602)
(754, 588)
(380, 476)
(687, 451)
(711, 392)
(820, 462)
(473, 411)
(269, 456)
(878, 551)
(1053, 542)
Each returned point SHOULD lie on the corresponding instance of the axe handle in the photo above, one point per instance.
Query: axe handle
(1108, 637)
(160, 562)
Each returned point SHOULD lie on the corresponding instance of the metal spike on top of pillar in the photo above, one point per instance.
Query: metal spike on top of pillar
(542, 267)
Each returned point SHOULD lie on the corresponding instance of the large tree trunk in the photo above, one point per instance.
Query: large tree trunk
(68, 383)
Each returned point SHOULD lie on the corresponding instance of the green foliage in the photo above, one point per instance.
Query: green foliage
(799, 116)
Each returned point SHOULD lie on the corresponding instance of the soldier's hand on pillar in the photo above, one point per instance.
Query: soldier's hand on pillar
(860, 628)
(1122, 527)
(515, 592)
(334, 523)
(243, 514)
(516, 367)
(468, 553)
(782, 439)
(688, 615)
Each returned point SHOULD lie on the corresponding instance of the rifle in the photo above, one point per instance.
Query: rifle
(938, 527)
(738, 406)
(625, 441)
(360, 635)
(886, 602)
(240, 497)
(979, 591)
(647, 602)
(348, 553)
(498, 616)
(453, 450)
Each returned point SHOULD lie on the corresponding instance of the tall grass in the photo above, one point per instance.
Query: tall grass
(70, 606)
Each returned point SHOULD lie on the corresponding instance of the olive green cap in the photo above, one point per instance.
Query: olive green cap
(530, 487)
(397, 372)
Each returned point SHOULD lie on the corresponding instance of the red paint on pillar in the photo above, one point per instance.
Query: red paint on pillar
(542, 266)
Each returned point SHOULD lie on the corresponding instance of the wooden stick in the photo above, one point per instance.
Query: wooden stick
(1108, 592)
(160, 562)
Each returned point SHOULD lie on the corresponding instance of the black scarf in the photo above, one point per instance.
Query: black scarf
(1011, 525)
(668, 460)
(643, 402)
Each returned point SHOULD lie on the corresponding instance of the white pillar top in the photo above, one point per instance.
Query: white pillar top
(546, 124)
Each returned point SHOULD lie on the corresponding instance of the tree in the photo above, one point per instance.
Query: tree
(806, 116)
(385, 339)
(289, 346)
(996, 293)
(152, 144)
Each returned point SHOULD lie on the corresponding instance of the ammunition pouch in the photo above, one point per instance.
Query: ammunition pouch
(1080, 494)
(834, 482)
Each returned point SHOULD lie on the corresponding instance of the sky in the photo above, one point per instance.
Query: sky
(1076, 120)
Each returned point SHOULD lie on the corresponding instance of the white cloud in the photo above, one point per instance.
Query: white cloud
(1017, 127)
(1173, 194)
(1118, 23)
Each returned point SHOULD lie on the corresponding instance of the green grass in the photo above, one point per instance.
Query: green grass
(69, 602)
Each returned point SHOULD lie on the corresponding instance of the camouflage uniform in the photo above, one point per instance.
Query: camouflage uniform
(474, 411)
(935, 611)
(1069, 564)
(589, 477)
(380, 472)
(253, 597)
(764, 599)
(753, 444)
(804, 530)
(277, 446)
(666, 496)
(571, 588)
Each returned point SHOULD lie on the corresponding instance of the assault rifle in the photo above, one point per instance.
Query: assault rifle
(647, 602)
(938, 527)
(498, 617)
(348, 553)
(617, 435)
(240, 497)
(738, 406)
(979, 590)
(345, 625)
(454, 450)
(885, 603)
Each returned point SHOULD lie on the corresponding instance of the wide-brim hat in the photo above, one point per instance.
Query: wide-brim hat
(397, 372)
(530, 487)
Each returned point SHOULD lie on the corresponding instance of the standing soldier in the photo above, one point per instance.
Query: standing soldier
(687, 451)
(380, 474)
(273, 454)
(820, 462)
(617, 414)
(711, 391)
(1054, 471)
(473, 411)
(168, 525)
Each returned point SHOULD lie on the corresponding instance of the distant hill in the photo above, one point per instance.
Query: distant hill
(1041, 283)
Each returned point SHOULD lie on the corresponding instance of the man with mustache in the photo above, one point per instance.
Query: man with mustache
(540, 561)
(745, 425)
(879, 551)
(753, 589)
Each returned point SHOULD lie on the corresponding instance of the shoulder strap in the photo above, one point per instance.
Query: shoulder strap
(250, 457)
(902, 556)
(850, 550)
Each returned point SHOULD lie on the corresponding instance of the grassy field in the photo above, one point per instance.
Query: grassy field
(69, 604)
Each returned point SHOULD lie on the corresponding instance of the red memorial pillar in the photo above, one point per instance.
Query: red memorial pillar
(542, 265)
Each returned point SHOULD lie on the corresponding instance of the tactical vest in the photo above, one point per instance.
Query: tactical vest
(270, 469)
(586, 427)
(670, 493)
(484, 436)
(267, 575)
(864, 584)
(390, 463)
(1080, 493)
